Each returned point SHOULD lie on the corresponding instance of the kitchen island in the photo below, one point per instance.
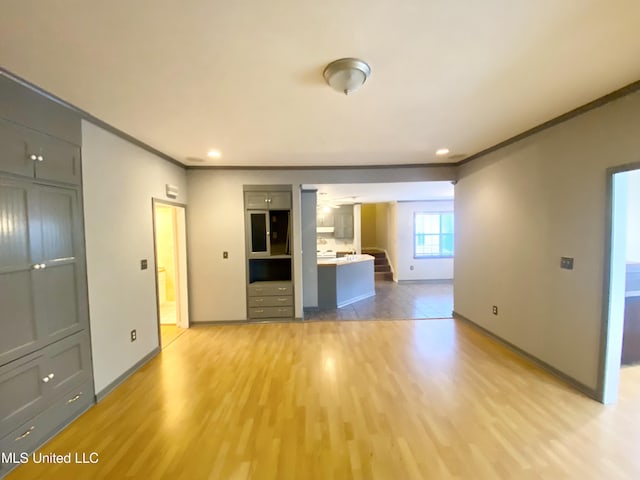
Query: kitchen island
(345, 280)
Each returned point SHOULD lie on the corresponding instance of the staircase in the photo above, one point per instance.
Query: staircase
(382, 268)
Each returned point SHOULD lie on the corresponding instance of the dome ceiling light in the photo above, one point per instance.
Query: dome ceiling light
(347, 74)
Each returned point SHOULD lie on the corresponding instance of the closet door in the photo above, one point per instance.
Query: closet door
(57, 249)
(18, 326)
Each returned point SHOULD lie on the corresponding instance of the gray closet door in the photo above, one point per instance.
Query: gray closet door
(56, 246)
(13, 157)
(18, 324)
(60, 160)
(69, 363)
(22, 390)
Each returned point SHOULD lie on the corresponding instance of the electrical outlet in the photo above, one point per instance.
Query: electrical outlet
(134, 335)
(411, 267)
(495, 310)
(225, 254)
(143, 264)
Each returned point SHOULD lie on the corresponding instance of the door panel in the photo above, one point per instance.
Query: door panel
(279, 201)
(68, 362)
(56, 213)
(18, 329)
(14, 157)
(56, 293)
(56, 287)
(14, 226)
(22, 391)
(18, 333)
(60, 160)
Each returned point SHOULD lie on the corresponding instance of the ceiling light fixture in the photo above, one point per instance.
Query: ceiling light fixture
(347, 74)
(214, 154)
(442, 151)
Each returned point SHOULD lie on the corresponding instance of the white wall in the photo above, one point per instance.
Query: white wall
(423, 268)
(522, 207)
(119, 181)
(633, 216)
(216, 223)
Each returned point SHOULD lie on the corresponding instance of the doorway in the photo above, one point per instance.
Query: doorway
(169, 221)
(621, 346)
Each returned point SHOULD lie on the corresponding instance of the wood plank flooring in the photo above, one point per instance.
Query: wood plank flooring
(348, 400)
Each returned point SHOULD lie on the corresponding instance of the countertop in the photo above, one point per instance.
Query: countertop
(332, 262)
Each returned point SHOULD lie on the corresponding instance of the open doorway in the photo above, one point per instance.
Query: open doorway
(169, 222)
(406, 231)
(622, 315)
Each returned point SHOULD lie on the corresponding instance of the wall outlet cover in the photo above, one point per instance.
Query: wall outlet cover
(144, 264)
(495, 310)
(566, 263)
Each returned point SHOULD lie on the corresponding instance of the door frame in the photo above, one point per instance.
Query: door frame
(183, 295)
(612, 310)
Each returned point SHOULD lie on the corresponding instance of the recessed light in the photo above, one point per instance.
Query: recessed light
(442, 151)
(214, 154)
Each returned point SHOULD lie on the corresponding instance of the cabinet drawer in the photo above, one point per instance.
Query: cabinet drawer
(261, 289)
(30, 435)
(271, 312)
(29, 384)
(275, 301)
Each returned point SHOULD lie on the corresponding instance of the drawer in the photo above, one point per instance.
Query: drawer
(271, 312)
(32, 434)
(28, 385)
(275, 301)
(260, 289)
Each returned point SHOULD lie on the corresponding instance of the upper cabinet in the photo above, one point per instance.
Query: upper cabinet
(33, 154)
(343, 222)
(267, 200)
(268, 222)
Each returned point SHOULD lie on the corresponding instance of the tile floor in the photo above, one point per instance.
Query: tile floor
(393, 301)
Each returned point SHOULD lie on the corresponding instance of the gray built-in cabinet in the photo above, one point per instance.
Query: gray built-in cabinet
(45, 359)
(268, 250)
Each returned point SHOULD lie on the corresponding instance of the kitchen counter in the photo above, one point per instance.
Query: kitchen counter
(342, 260)
(345, 280)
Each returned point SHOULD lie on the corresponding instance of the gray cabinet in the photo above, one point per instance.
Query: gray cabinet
(33, 154)
(33, 382)
(45, 360)
(270, 299)
(268, 248)
(343, 222)
(267, 200)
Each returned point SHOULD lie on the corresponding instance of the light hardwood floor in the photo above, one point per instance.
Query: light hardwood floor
(431, 399)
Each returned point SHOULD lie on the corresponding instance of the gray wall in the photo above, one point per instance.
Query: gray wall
(120, 180)
(518, 210)
(308, 203)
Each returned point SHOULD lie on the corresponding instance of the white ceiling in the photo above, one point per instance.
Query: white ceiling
(349, 193)
(245, 77)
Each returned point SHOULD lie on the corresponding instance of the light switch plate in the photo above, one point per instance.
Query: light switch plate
(566, 263)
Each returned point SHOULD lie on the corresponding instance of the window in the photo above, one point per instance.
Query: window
(433, 234)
